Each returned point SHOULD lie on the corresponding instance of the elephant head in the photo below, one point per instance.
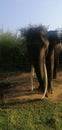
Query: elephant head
(37, 44)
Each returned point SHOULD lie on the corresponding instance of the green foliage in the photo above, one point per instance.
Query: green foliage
(32, 116)
(13, 52)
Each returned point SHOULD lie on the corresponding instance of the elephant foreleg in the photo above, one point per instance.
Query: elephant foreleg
(50, 69)
(32, 76)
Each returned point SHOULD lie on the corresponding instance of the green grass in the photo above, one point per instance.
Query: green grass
(38, 115)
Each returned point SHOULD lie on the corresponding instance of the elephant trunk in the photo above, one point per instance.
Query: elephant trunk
(43, 71)
(45, 82)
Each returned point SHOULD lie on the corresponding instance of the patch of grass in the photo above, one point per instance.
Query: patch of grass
(36, 115)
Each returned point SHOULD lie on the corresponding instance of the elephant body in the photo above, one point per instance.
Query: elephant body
(41, 46)
(37, 44)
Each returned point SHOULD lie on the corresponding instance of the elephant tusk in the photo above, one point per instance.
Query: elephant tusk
(45, 82)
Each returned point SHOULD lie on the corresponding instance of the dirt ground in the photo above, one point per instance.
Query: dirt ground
(20, 89)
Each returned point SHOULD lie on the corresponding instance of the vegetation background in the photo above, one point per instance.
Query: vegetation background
(13, 51)
(35, 115)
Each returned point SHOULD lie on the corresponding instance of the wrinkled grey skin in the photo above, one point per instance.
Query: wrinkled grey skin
(41, 48)
(37, 44)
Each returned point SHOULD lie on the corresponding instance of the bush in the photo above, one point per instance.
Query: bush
(13, 52)
(60, 59)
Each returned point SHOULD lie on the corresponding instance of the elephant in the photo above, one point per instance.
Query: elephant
(57, 52)
(37, 44)
(41, 45)
(54, 41)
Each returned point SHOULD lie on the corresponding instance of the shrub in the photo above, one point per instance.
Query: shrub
(13, 52)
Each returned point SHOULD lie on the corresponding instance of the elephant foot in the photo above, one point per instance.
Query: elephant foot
(50, 90)
(40, 89)
(54, 76)
(46, 94)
